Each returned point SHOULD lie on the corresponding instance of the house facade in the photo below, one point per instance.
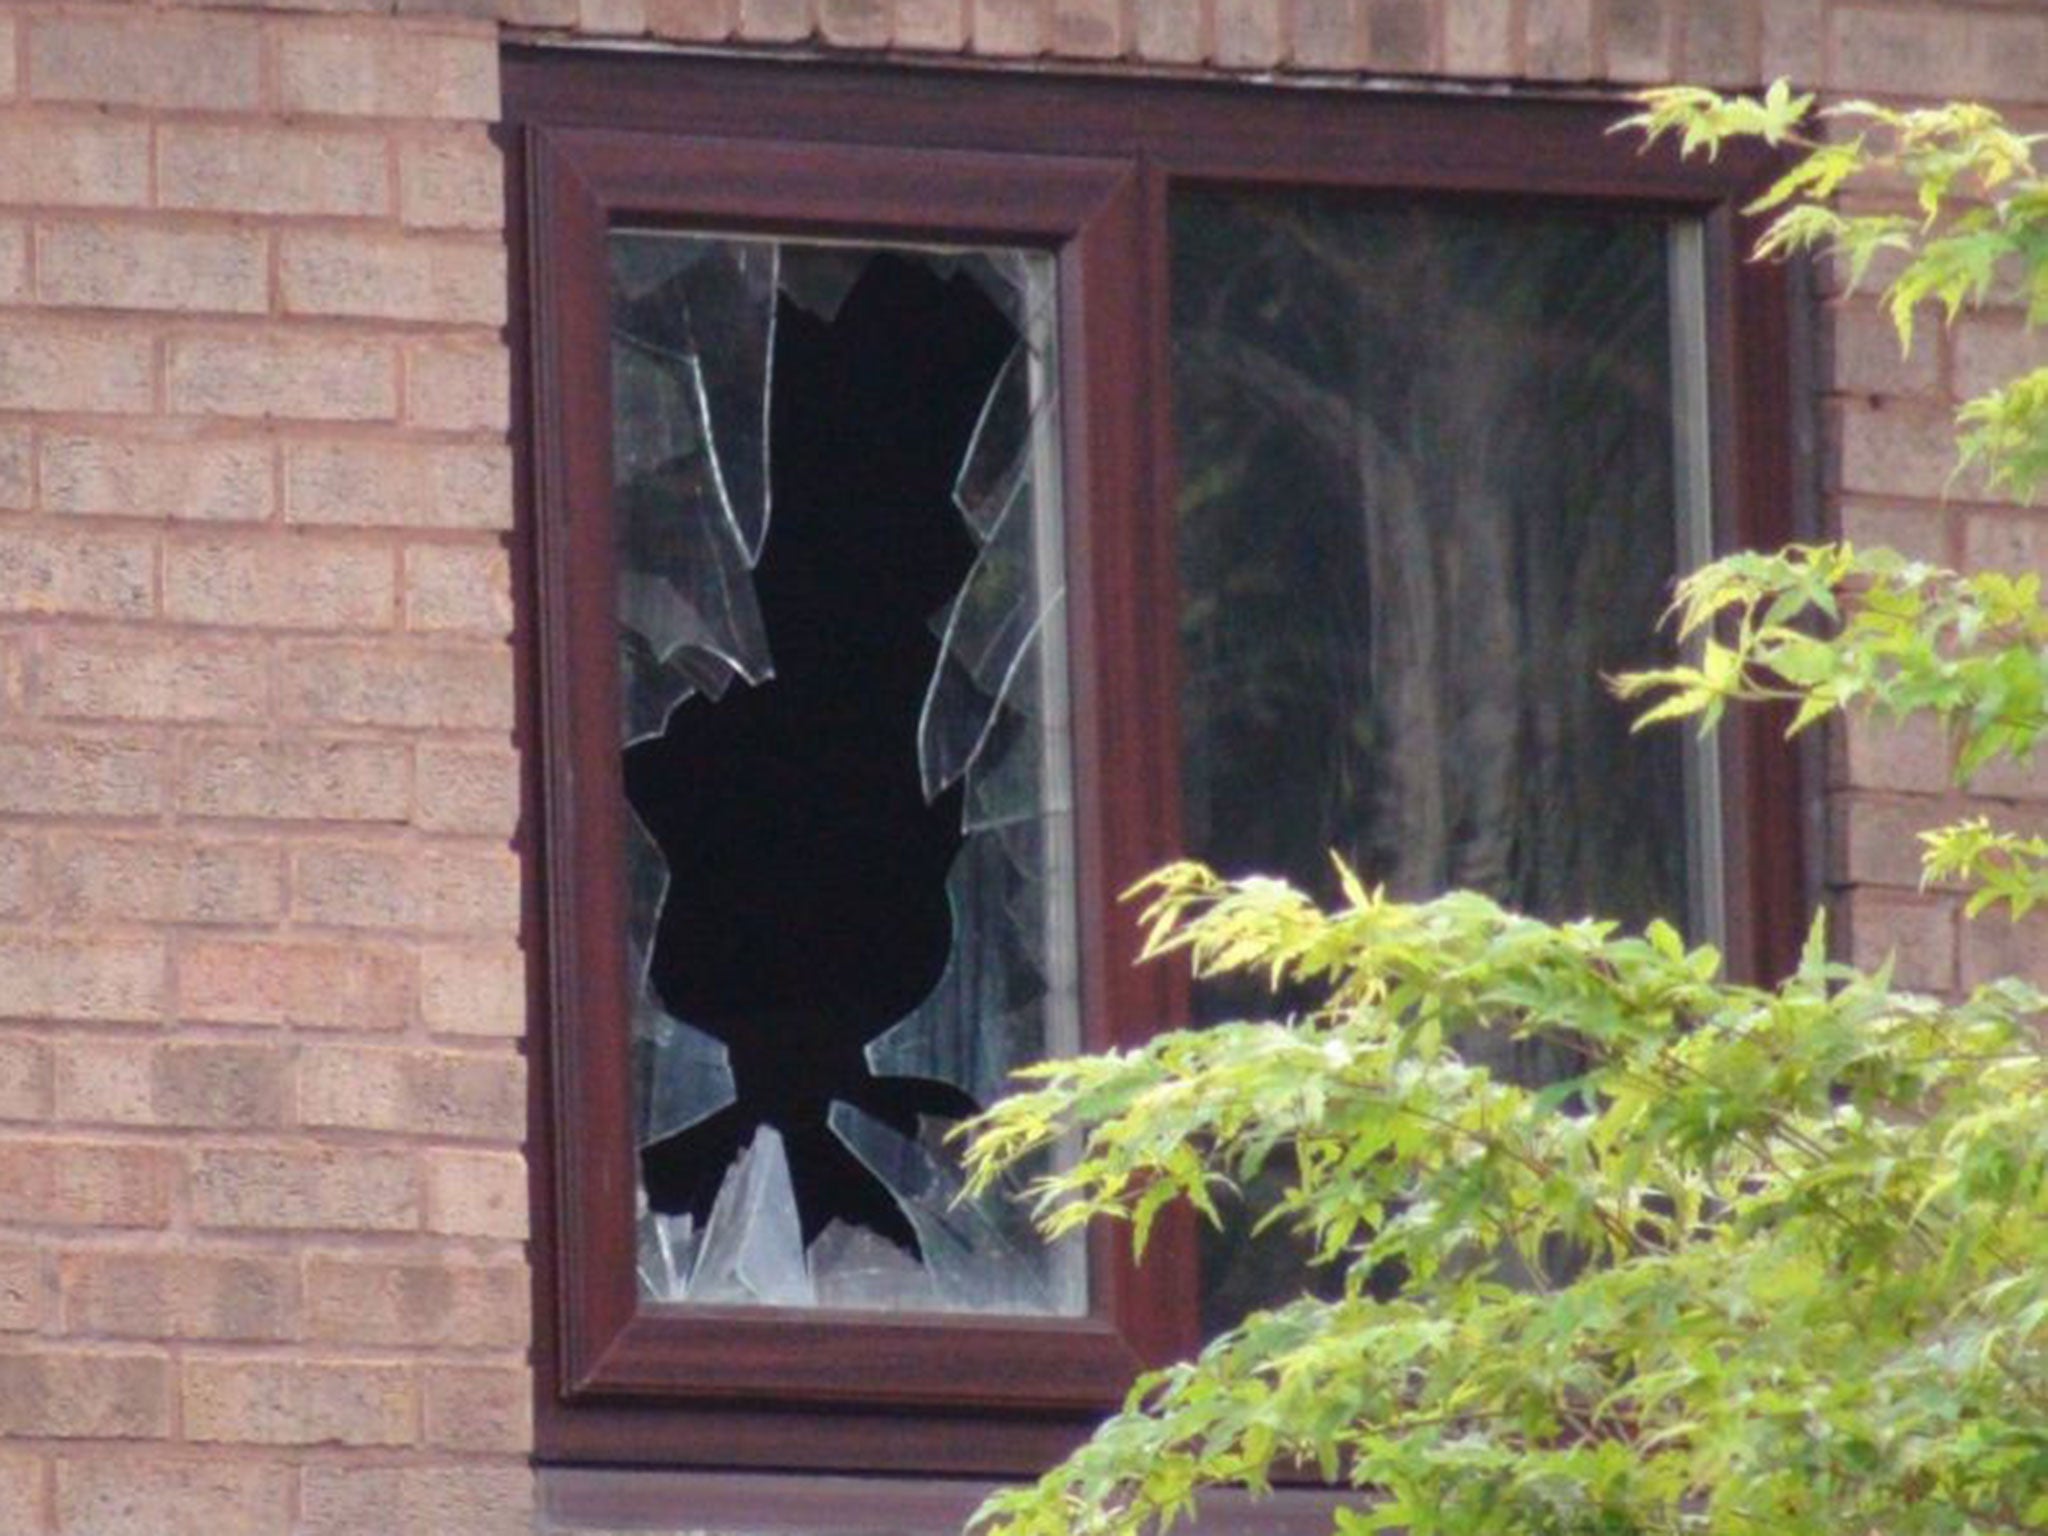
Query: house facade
(289, 463)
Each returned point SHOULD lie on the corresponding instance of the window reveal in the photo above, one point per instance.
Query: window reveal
(839, 585)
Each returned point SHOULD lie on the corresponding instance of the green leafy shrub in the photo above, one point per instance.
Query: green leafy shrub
(1772, 1259)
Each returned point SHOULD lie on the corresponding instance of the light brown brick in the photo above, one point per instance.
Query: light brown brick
(77, 163)
(382, 277)
(436, 1093)
(1898, 449)
(1792, 46)
(145, 678)
(1932, 51)
(1875, 838)
(1007, 28)
(1326, 34)
(854, 23)
(612, 18)
(70, 367)
(473, 989)
(442, 888)
(1640, 41)
(295, 778)
(1479, 38)
(460, 587)
(1921, 533)
(25, 1299)
(285, 581)
(388, 72)
(692, 21)
(24, 1079)
(1910, 755)
(14, 249)
(85, 1184)
(213, 480)
(305, 377)
(435, 687)
(477, 1194)
(17, 452)
(931, 25)
(210, 62)
(172, 1493)
(268, 1402)
(452, 181)
(480, 1408)
(2012, 541)
(467, 789)
(136, 879)
(1560, 39)
(81, 776)
(1398, 35)
(78, 1394)
(1868, 359)
(458, 387)
(101, 979)
(297, 982)
(89, 575)
(156, 1295)
(1992, 351)
(102, 265)
(420, 1304)
(1247, 34)
(1720, 42)
(392, 485)
(775, 21)
(254, 169)
(10, 54)
(18, 894)
(1994, 945)
(128, 1082)
(342, 1499)
(329, 1188)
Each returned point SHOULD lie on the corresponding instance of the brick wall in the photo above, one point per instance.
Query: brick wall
(261, 1197)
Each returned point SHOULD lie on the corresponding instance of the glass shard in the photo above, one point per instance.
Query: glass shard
(752, 1251)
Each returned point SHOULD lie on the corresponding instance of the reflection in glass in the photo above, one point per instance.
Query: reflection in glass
(841, 650)
(1428, 499)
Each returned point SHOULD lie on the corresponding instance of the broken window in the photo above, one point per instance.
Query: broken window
(837, 519)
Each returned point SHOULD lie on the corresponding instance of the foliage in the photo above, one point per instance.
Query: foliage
(1771, 1259)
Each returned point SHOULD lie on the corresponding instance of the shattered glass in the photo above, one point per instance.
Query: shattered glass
(695, 342)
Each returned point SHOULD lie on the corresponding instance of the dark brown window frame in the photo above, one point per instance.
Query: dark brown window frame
(1081, 167)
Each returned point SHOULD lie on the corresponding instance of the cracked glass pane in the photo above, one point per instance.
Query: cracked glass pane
(849, 871)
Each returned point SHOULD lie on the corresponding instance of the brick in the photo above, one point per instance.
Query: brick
(1994, 945)
(14, 245)
(2012, 541)
(343, 1499)
(1940, 52)
(82, 1184)
(265, 1402)
(333, 1189)
(24, 1299)
(432, 1304)
(141, 266)
(938, 26)
(154, 477)
(76, 1394)
(1792, 44)
(477, 1194)
(2006, 778)
(444, 888)
(436, 1093)
(24, 1080)
(125, 1082)
(300, 983)
(1911, 755)
(9, 60)
(467, 789)
(391, 72)
(1247, 34)
(1990, 352)
(1398, 33)
(304, 377)
(89, 575)
(1479, 38)
(295, 779)
(692, 21)
(101, 979)
(775, 21)
(1898, 449)
(1326, 34)
(49, 367)
(1921, 533)
(85, 163)
(1875, 838)
(245, 1298)
(211, 62)
(452, 182)
(17, 876)
(271, 170)
(461, 587)
(392, 278)
(442, 687)
(283, 582)
(394, 485)
(473, 990)
(1560, 39)
(459, 387)
(1720, 42)
(17, 452)
(138, 678)
(172, 1494)
(1639, 41)
(81, 776)
(854, 23)
(1868, 359)
(612, 18)
(479, 1408)
(131, 879)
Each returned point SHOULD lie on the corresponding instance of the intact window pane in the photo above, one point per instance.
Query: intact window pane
(1429, 497)
(843, 670)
